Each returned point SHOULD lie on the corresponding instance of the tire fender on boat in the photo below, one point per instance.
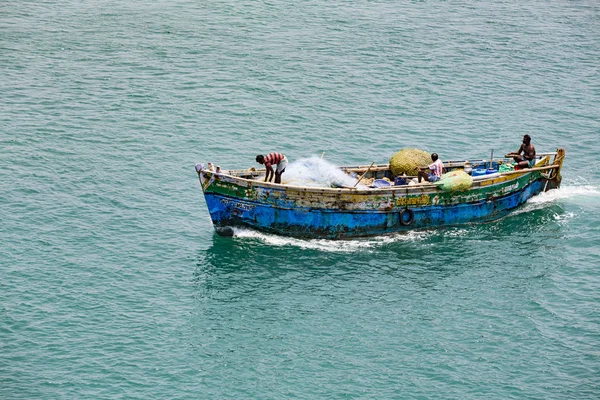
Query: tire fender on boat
(407, 217)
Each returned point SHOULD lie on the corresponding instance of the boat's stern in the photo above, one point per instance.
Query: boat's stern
(554, 177)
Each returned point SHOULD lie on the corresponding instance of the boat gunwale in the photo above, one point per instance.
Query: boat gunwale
(372, 211)
(404, 189)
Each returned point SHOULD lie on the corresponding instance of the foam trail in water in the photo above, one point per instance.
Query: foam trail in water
(567, 192)
(338, 246)
(316, 172)
(584, 195)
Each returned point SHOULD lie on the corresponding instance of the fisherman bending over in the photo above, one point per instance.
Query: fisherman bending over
(527, 160)
(436, 169)
(277, 159)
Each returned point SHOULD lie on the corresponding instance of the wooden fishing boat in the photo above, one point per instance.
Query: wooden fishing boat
(238, 198)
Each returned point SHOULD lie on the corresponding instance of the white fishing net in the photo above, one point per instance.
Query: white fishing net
(316, 172)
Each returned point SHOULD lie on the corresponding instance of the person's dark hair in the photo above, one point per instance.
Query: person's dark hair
(260, 159)
(434, 156)
(526, 139)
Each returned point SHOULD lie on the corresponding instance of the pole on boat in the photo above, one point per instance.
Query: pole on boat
(491, 159)
(363, 175)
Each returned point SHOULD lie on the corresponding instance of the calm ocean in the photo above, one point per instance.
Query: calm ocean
(113, 283)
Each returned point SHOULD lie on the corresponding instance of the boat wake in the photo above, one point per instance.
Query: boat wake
(337, 246)
(579, 192)
(584, 195)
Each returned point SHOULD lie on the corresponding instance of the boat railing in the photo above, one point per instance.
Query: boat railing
(549, 163)
(385, 167)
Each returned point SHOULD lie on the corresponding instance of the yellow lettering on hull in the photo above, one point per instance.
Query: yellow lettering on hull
(413, 201)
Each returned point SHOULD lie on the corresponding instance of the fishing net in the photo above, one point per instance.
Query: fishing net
(316, 172)
(506, 168)
(455, 181)
(407, 161)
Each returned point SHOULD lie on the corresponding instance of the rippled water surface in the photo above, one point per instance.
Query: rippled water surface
(113, 283)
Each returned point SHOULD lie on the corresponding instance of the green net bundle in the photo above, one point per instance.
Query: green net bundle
(506, 168)
(407, 160)
(455, 181)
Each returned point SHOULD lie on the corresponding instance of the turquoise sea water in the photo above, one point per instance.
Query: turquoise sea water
(113, 283)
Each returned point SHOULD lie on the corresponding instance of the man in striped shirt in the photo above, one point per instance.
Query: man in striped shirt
(436, 169)
(277, 159)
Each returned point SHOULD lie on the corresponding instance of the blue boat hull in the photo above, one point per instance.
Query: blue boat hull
(335, 224)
